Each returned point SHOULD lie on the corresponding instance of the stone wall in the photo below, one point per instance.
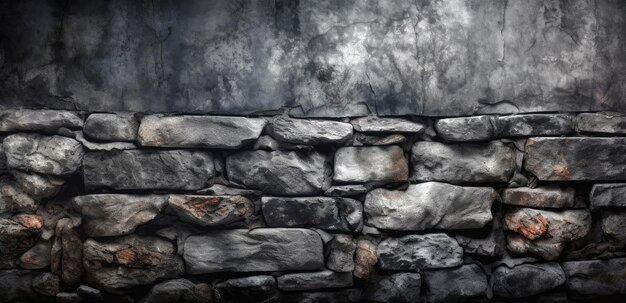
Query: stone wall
(133, 207)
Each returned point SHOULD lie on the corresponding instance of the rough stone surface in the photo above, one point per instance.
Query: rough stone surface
(276, 249)
(454, 285)
(576, 158)
(13, 197)
(51, 155)
(210, 210)
(608, 195)
(478, 128)
(544, 248)
(303, 131)
(527, 279)
(178, 290)
(16, 286)
(104, 146)
(360, 139)
(47, 121)
(415, 252)
(279, 172)
(614, 226)
(596, 277)
(430, 205)
(346, 190)
(314, 280)
(601, 123)
(130, 261)
(111, 127)
(37, 257)
(373, 124)
(89, 294)
(223, 190)
(463, 162)
(247, 289)
(336, 214)
(165, 169)
(17, 235)
(46, 284)
(534, 125)
(400, 288)
(541, 197)
(106, 215)
(365, 259)
(71, 247)
(370, 164)
(340, 253)
(38, 186)
(199, 131)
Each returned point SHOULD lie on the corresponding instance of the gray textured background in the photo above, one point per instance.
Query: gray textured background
(327, 58)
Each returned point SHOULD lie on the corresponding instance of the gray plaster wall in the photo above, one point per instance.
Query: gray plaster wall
(322, 58)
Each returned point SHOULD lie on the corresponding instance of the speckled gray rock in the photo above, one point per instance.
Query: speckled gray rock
(199, 131)
(167, 169)
(223, 190)
(478, 128)
(415, 252)
(129, 261)
(40, 120)
(613, 224)
(454, 285)
(527, 279)
(14, 199)
(462, 162)
(304, 131)
(336, 214)
(340, 253)
(266, 142)
(111, 127)
(601, 123)
(280, 172)
(365, 259)
(430, 205)
(534, 125)
(314, 280)
(373, 124)
(47, 284)
(380, 164)
(106, 215)
(399, 288)
(547, 249)
(263, 249)
(576, 158)
(596, 277)
(104, 146)
(178, 290)
(38, 186)
(493, 244)
(541, 197)
(210, 210)
(346, 190)
(247, 289)
(608, 195)
(50, 155)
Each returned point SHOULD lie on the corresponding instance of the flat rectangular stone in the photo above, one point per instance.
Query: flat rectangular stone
(378, 164)
(308, 131)
(373, 124)
(576, 158)
(258, 250)
(42, 120)
(148, 169)
(478, 128)
(534, 125)
(601, 123)
(608, 195)
(548, 197)
(314, 280)
(596, 277)
(199, 131)
(416, 252)
(111, 127)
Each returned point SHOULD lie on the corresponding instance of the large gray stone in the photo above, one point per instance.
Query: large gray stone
(373, 124)
(576, 158)
(534, 125)
(199, 131)
(130, 261)
(527, 279)
(50, 155)
(275, 249)
(430, 205)
(454, 285)
(210, 210)
(596, 277)
(477, 128)
(340, 253)
(614, 226)
(179, 290)
(17, 235)
(314, 280)
(148, 169)
(247, 289)
(608, 195)
(41, 120)
(16, 286)
(462, 162)
(379, 164)
(303, 131)
(541, 197)
(399, 288)
(111, 127)
(601, 123)
(279, 172)
(38, 186)
(106, 215)
(415, 252)
(14, 199)
(336, 214)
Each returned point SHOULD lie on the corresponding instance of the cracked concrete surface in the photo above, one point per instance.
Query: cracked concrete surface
(324, 58)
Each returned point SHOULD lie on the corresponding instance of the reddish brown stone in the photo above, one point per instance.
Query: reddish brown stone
(365, 259)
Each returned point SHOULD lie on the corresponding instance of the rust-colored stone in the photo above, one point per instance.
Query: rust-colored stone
(562, 171)
(30, 221)
(137, 257)
(531, 227)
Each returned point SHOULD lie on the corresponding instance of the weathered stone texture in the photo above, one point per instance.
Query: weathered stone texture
(542, 197)
(372, 124)
(340, 253)
(276, 249)
(248, 289)
(179, 290)
(430, 205)
(601, 123)
(576, 158)
(365, 259)
(370, 164)
(455, 284)
(52, 155)
(527, 279)
(41, 120)
(614, 226)
(303, 131)
(337, 214)
(596, 277)
(462, 162)
(534, 125)
(210, 210)
(478, 128)
(314, 280)
(415, 252)
(111, 127)
(148, 169)
(399, 287)
(608, 195)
